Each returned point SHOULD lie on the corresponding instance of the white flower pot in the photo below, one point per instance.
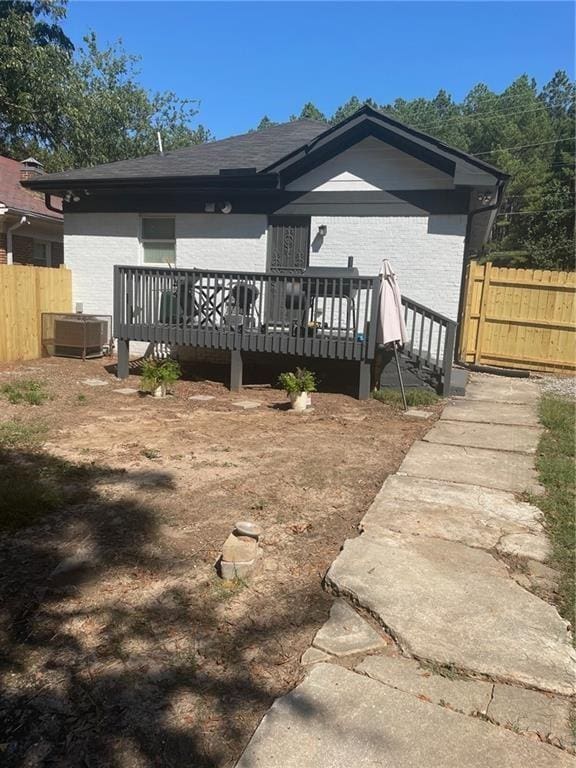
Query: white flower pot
(160, 391)
(299, 402)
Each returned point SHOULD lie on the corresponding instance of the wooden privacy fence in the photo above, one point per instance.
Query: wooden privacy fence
(519, 318)
(26, 292)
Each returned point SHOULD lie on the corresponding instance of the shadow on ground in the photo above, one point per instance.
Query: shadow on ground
(115, 651)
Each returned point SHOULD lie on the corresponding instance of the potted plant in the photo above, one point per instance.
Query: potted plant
(158, 374)
(298, 385)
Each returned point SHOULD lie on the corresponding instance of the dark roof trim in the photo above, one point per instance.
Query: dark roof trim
(379, 118)
(249, 181)
(357, 203)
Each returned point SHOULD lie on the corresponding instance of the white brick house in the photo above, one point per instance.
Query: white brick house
(286, 199)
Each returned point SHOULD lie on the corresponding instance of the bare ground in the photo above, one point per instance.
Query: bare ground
(134, 653)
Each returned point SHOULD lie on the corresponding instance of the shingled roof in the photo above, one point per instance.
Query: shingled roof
(13, 195)
(254, 150)
(286, 149)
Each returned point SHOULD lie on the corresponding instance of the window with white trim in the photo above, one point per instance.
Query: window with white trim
(158, 239)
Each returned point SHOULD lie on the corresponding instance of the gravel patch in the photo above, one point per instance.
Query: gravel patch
(565, 386)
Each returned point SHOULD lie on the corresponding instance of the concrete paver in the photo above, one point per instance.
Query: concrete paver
(94, 382)
(313, 656)
(532, 711)
(488, 412)
(499, 437)
(501, 389)
(339, 719)
(346, 633)
(474, 466)
(454, 605)
(530, 545)
(467, 696)
(471, 514)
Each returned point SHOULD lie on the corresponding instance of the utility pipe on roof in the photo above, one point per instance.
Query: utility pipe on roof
(13, 228)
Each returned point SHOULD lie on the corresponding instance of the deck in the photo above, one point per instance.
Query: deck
(321, 313)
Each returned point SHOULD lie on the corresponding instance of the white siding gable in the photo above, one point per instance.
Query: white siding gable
(372, 165)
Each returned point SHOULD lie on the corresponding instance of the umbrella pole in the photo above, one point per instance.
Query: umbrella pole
(400, 376)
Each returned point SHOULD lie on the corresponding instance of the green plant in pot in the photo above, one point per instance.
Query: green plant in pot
(298, 385)
(157, 375)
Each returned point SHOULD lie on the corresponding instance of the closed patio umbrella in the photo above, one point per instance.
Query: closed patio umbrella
(391, 331)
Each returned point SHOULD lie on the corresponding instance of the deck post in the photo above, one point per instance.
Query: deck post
(448, 359)
(123, 364)
(235, 370)
(364, 380)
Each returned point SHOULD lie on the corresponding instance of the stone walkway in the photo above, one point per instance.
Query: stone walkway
(441, 649)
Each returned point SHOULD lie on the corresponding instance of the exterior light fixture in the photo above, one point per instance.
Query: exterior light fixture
(484, 197)
(322, 230)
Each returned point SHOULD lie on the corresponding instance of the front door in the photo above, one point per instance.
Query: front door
(288, 254)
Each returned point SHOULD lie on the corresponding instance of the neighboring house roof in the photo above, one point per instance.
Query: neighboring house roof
(280, 152)
(15, 197)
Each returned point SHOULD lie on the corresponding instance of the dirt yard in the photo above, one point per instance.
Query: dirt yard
(121, 645)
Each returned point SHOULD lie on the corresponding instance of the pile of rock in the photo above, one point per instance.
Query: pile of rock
(240, 552)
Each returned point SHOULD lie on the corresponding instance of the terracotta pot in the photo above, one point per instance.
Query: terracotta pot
(299, 402)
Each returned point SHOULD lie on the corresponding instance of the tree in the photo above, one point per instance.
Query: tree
(35, 58)
(111, 117)
(438, 116)
(549, 239)
(310, 112)
(352, 105)
(527, 133)
(265, 123)
(78, 109)
(46, 14)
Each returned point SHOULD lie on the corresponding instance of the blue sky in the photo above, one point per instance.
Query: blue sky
(246, 59)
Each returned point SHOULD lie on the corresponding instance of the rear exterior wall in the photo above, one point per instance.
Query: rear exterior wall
(426, 252)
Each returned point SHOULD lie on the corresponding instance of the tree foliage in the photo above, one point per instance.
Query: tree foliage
(77, 108)
(527, 132)
(73, 108)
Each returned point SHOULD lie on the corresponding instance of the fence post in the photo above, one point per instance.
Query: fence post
(482, 314)
(448, 358)
(464, 320)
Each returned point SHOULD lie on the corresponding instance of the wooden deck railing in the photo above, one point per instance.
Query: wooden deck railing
(322, 315)
(431, 340)
(319, 316)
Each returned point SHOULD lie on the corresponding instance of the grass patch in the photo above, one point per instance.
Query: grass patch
(17, 434)
(32, 482)
(27, 391)
(27, 496)
(28, 487)
(557, 472)
(223, 590)
(414, 396)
